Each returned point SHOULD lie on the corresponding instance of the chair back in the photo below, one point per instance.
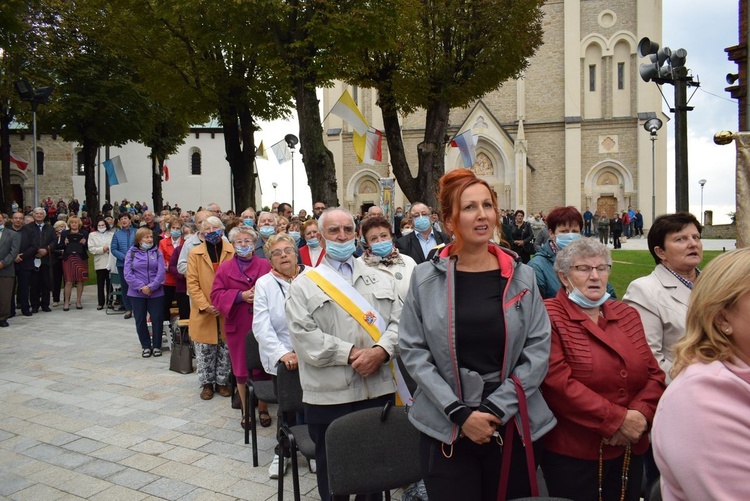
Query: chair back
(387, 449)
(114, 279)
(288, 389)
(252, 352)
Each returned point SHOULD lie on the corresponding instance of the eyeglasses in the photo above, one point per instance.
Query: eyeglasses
(584, 268)
(278, 252)
(319, 208)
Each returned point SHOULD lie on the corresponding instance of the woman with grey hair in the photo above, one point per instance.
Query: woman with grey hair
(233, 294)
(206, 322)
(603, 383)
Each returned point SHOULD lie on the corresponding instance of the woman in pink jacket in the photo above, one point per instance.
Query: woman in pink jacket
(701, 433)
(233, 293)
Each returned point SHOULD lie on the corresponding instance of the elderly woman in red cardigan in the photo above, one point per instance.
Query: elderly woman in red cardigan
(603, 383)
(232, 294)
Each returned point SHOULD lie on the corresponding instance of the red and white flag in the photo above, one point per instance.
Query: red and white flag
(20, 163)
(166, 172)
(373, 147)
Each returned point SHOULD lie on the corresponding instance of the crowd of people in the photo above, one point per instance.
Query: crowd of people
(502, 332)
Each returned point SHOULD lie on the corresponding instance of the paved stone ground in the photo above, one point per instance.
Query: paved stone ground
(83, 416)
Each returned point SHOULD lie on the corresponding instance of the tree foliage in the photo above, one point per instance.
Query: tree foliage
(443, 54)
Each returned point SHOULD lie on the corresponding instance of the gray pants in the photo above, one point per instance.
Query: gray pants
(214, 366)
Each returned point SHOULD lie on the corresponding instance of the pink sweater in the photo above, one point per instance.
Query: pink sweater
(701, 433)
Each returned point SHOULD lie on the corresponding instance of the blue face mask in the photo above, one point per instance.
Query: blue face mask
(422, 223)
(313, 243)
(248, 222)
(146, 246)
(2, 225)
(213, 237)
(175, 233)
(295, 235)
(383, 248)
(563, 239)
(243, 250)
(339, 251)
(578, 298)
(267, 231)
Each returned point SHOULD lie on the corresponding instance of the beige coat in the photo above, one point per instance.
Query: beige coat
(200, 279)
(662, 301)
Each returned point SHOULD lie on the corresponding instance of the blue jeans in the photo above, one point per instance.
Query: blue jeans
(124, 286)
(154, 306)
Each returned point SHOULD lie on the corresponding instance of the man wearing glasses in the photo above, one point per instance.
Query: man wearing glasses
(424, 238)
(318, 208)
(214, 209)
(335, 313)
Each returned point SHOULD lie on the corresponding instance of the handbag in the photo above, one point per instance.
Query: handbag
(180, 357)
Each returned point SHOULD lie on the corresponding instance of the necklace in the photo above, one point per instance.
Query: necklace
(625, 470)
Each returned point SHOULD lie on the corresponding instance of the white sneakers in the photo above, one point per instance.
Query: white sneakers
(313, 466)
(273, 470)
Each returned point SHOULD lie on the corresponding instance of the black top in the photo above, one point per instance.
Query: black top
(480, 324)
(74, 244)
(214, 250)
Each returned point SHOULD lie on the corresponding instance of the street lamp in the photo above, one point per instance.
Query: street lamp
(702, 182)
(274, 190)
(291, 142)
(36, 97)
(668, 67)
(653, 125)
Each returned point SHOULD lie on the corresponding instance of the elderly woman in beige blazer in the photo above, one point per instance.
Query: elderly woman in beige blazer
(661, 298)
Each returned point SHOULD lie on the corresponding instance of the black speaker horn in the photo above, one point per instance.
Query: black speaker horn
(646, 47)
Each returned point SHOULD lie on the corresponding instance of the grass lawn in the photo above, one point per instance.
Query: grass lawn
(627, 265)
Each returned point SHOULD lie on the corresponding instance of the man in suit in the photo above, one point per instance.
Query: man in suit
(42, 234)
(424, 238)
(10, 243)
(24, 265)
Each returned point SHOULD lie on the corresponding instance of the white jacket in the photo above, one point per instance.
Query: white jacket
(269, 320)
(96, 243)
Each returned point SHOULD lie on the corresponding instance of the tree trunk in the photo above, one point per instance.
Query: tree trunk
(399, 164)
(241, 167)
(90, 148)
(431, 153)
(157, 166)
(6, 196)
(318, 160)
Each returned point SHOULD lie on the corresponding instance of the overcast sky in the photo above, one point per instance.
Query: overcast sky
(703, 28)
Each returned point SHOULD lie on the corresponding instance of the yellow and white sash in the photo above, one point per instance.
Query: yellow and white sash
(348, 298)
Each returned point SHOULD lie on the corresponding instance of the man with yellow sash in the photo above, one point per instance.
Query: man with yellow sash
(343, 317)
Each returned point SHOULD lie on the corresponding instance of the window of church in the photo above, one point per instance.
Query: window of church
(620, 76)
(39, 162)
(80, 164)
(592, 78)
(195, 162)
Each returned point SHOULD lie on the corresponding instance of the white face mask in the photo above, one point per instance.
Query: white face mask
(407, 231)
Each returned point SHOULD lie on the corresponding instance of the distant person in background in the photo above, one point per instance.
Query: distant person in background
(602, 227)
(180, 289)
(172, 239)
(638, 224)
(75, 261)
(520, 237)
(266, 226)
(318, 208)
(588, 217)
(57, 247)
(10, 244)
(424, 239)
(100, 242)
(122, 241)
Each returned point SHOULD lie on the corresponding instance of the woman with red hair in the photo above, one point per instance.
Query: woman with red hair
(475, 337)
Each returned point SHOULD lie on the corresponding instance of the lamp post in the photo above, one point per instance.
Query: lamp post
(291, 142)
(36, 97)
(668, 67)
(653, 125)
(702, 182)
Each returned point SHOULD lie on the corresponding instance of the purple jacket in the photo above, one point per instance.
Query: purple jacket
(144, 268)
(228, 282)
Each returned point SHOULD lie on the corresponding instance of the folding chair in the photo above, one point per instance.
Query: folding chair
(296, 437)
(116, 282)
(254, 391)
(379, 441)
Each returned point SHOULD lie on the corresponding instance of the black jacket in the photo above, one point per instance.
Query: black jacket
(42, 239)
(410, 246)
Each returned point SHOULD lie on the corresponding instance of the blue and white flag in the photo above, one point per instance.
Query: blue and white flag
(115, 172)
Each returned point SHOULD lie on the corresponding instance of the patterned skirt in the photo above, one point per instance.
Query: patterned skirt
(75, 269)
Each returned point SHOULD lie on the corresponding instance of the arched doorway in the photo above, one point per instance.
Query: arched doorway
(16, 194)
(607, 204)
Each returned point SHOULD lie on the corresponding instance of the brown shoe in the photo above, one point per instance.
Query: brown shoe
(224, 391)
(208, 392)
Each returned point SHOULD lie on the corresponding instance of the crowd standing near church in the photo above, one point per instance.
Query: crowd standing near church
(450, 301)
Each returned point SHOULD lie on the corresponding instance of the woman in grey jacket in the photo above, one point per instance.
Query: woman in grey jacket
(472, 322)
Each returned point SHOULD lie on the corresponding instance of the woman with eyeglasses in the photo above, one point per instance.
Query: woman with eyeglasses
(269, 321)
(232, 294)
(603, 383)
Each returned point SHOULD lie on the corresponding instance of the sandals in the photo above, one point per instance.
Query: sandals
(157, 352)
(146, 353)
(245, 425)
(265, 419)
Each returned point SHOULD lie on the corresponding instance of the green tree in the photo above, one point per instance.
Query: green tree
(443, 54)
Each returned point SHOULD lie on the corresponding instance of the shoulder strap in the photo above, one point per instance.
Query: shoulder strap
(525, 432)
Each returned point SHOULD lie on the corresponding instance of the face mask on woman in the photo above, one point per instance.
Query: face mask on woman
(175, 233)
(213, 237)
(267, 231)
(578, 298)
(563, 239)
(243, 250)
(295, 235)
(101, 229)
(382, 249)
(313, 243)
(407, 231)
(146, 246)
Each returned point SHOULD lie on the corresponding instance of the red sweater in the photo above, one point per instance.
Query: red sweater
(596, 373)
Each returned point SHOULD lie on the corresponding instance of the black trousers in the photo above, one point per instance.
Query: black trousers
(183, 303)
(41, 281)
(57, 280)
(318, 418)
(103, 286)
(168, 298)
(578, 479)
(472, 471)
(616, 239)
(23, 278)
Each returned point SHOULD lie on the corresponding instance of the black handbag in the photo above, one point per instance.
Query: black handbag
(181, 358)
